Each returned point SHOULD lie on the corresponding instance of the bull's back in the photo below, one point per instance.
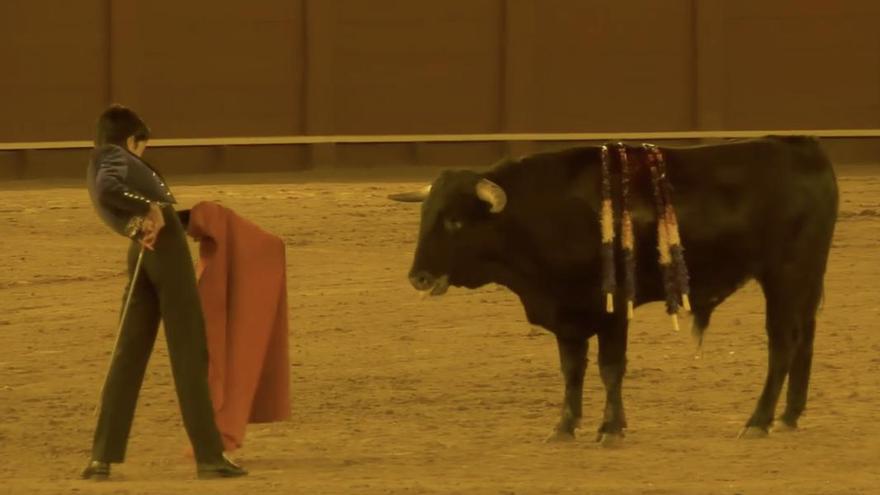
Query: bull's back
(744, 206)
(747, 184)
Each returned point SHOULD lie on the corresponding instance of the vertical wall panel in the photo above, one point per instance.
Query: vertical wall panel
(52, 68)
(520, 64)
(210, 68)
(709, 66)
(409, 67)
(611, 65)
(805, 64)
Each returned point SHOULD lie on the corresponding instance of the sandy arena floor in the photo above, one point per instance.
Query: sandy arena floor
(394, 394)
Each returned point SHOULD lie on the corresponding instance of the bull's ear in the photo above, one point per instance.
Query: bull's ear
(412, 196)
(493, 194)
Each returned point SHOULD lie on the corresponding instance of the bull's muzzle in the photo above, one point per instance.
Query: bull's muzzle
(428, 284)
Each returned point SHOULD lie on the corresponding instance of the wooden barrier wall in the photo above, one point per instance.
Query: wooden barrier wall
(219, 68)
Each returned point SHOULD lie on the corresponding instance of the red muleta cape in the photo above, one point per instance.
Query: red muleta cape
(243, 288)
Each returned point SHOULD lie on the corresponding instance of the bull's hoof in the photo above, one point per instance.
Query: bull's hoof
(752, 432)
(783, 427)
(610, 440)
(560, 436)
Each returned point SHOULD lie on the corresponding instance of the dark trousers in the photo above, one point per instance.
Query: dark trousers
(166, 289)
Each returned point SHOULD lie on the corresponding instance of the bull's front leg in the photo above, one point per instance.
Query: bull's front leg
(573, 361)
(612, 367)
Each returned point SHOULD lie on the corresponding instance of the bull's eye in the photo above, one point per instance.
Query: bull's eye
(452, 224)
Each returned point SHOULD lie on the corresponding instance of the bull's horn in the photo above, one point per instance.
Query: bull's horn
(493, 194)
(412, 196)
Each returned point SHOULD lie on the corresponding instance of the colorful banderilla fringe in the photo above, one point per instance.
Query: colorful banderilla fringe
(675, 276)
(609, 279)
(675, 249)
(626, 235)
(671, 253)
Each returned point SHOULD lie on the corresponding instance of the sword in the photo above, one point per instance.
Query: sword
(134, 277)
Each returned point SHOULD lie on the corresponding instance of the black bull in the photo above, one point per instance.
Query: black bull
(761, 209)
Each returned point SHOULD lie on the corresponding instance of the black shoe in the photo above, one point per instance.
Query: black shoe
(221, 469)
(96, 470)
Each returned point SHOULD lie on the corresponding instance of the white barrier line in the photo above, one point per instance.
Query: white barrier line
(456, 138)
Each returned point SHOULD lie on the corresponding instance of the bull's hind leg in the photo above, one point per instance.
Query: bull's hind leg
(573, 361)
(802, 361)
(798, 377)
(793, 295)
(783, 327)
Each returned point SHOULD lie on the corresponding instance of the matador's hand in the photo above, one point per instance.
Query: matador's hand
(153, 223)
